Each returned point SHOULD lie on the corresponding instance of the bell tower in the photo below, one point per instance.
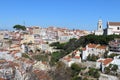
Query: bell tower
(99, 25)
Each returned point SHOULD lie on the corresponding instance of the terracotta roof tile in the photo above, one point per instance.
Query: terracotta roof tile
(77, 57)
(106, 61)
(68, 59)
(92, 45)
(114, 23)
(101, 47)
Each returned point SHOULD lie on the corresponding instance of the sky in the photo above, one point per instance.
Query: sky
(72, 14)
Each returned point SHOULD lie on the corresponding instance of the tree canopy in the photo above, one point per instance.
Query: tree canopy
(19, 27)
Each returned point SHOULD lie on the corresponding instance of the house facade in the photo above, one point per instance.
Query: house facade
(113, 28)
(74, 57)
(102, 63)
(114, 45)
(95, 49)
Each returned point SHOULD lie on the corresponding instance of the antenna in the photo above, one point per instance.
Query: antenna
(24, 23)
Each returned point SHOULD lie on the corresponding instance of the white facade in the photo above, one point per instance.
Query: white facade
(102, 63)
(116, 61)
(84, 55)
(23, 48)
(93, 49)
(113, 28)
(71, 58)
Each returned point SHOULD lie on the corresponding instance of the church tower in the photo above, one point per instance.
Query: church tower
(99, 30)
(99, 25)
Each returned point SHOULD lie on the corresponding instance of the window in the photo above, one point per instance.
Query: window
(118, 28)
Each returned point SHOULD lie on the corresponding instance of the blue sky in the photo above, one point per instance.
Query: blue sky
(73, 14)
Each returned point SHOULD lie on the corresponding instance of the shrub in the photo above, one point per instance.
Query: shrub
(92, 57)
(107, 70)
(94, 72)
(25, 55)
(114, 68)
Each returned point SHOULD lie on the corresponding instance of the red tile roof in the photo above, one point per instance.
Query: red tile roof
(101, 47)
(92, 45)
(68, 59)
(106, 61)
(114, 23)
(77, 57)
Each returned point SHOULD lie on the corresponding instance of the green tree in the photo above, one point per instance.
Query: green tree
(112, 55)
(55, 56)
(75, 67)
(57, 45)
(19, 27)
(114, 68)
(75, 70)
(89, 57)
(94, 72)
(107, 70)
(77, 78)
(106, 54)
(25, 55)
(92, 57)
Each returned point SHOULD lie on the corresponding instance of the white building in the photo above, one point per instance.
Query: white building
(71, 58)
(113, 28)
(116, 61)
(95, 49)
(102, 63)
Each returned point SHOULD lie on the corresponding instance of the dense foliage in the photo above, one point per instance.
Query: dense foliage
(92, 57)
(112, 55)
(111, 68)
(25, 55)
(101, 39)
(73, 44)
(19, 27)
(75, 70)
(77, 78)
(94, 72)
(83, 41)
(55, 56)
